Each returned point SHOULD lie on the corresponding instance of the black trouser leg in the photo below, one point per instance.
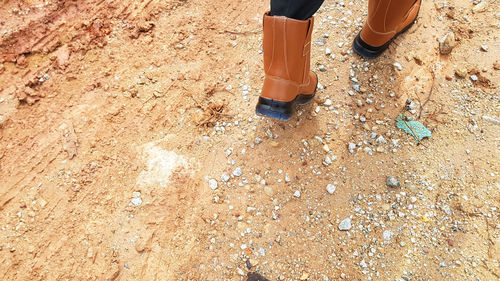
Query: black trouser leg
(295, 9)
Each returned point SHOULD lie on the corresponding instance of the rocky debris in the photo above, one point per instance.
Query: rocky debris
(136, 199)
(237, 172)
(62, 56)
(70, 141)
(212, 183)
(387, 235)
(491, 120)
(392, 182)
(447, 43)
(296, 194)
(351, 146)
(225, 177)
(345, 224)
(330, 188)
(461, 71)
(480, 7)
(28, 95)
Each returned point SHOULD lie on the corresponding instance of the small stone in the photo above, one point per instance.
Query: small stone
(321, 68)
(447, 43)
(327, 162)
(474, 77)
(484, 48)
(363, 264)
(137, 201)
(328, 51)
(296, 194)
(320, 42)
(392, 182)
(328, 102)
(237, 172)
(225, 177)
(212, 183)
(387, 235)
(461, 71)
(351, 147)
(304, 276)
(42, 202)
(450, 242)
(253, 262)
(345, 225)
(398, 66)
(241, 272)
(257, 140)
(491, 120)
(480, 7)
(381, 140)
(330, 188)
(326, 148)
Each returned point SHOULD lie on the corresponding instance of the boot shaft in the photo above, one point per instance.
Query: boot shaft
(287, 45)
(385, 16)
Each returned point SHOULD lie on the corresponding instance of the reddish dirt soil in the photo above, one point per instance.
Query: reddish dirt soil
(114, 116)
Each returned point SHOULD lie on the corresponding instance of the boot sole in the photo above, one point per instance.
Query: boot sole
(281, 110)
(367, 51)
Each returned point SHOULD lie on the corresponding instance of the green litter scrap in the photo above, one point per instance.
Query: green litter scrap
(414, 128)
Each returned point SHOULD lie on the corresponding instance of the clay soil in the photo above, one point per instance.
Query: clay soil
(115, 116)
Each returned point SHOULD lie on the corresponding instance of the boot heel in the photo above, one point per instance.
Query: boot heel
(279, 110)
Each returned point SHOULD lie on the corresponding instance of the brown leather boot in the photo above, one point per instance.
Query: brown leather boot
(287, 45)
(386, 20)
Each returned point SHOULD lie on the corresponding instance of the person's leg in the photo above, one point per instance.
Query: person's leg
(287, 44)
(295, 9)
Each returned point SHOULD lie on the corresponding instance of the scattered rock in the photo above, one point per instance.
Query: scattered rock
(137, 201)
(387, 235)
(213, 184)
(225, 177)
(447, 43)
(480, 7)
(345, 225)
(70, 141)
(330, 188)
(491, 120)
(351, 146)
(392, 182)
(461, 71)
(304, 276)
(237, 172)
(296, 194)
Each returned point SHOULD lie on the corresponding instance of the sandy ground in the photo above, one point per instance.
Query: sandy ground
(129, 147)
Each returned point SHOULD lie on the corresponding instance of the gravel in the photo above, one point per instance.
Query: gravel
(330, 188)
(296, 194)
(392, 182)
(212, 183)
(225, 177)
(345, 225)
(237, 172)
(387, 235)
